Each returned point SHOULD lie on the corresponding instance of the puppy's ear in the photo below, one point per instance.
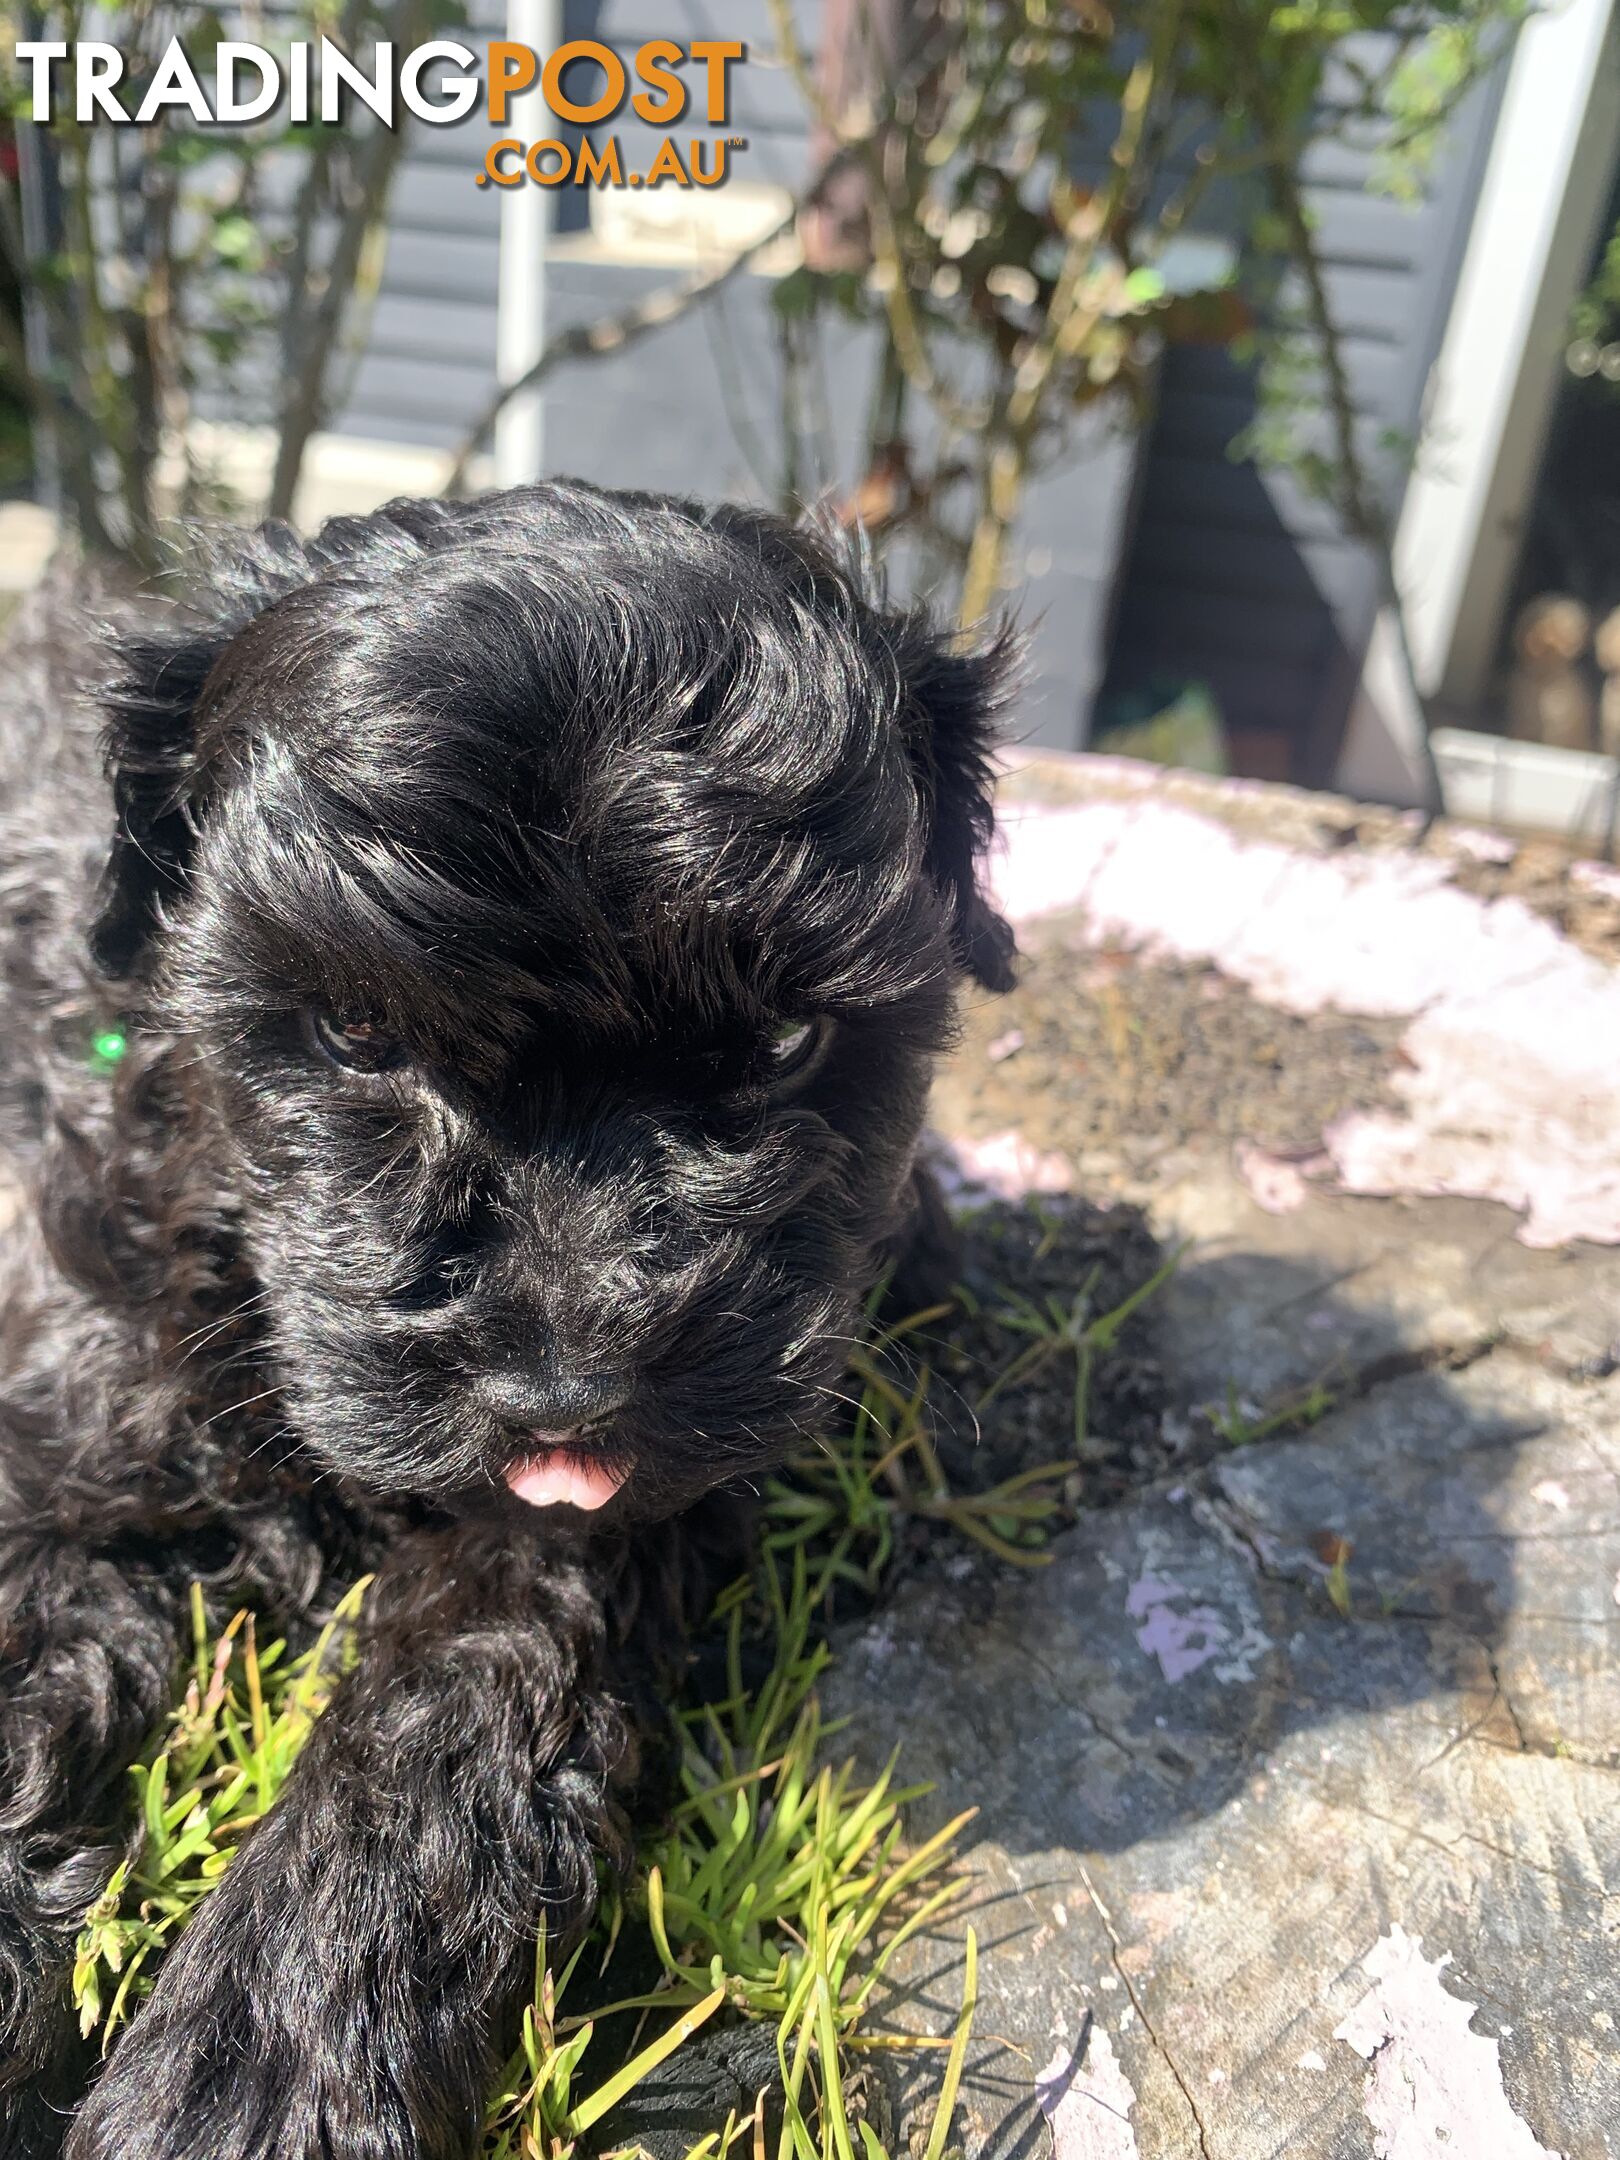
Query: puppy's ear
(161, 662)
(955, 696)
(150, 738)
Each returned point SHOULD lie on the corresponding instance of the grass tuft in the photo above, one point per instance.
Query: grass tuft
(780, 1887)
(244, 1717)
(1240, 1424)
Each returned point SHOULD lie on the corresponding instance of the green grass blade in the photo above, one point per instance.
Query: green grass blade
(951, 2083)
(608, 2095)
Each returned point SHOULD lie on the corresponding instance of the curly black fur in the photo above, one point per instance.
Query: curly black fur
(581, 800)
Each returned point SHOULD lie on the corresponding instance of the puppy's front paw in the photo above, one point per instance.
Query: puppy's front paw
(220, 2081)
(132, 2114)
(184, 2094)
(222, 2073)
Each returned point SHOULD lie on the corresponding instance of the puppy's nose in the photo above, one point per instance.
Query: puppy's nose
(550, 1398)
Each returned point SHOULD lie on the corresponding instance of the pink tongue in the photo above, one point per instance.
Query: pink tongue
(558, 1476)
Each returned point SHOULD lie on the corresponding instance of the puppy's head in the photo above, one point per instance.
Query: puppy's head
(561, 897)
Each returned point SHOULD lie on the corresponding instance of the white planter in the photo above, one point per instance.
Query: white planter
(1488, 780)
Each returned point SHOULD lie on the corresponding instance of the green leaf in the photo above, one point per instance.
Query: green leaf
(235, 239)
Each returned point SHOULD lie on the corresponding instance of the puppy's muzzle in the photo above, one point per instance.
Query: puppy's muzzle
(556, 1428)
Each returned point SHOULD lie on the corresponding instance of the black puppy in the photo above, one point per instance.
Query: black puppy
(530, 924)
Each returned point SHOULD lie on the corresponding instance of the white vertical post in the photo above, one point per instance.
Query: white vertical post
(520, 314)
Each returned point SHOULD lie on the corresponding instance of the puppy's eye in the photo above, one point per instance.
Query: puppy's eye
(356, 1045)
(794, 1046)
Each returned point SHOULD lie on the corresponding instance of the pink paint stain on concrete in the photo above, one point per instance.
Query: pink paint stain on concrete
(1005, 1165)
(1181, 1640)
(1434, 2087)
(1088, 2105)
(1279, 1183)
(1511, 1090)
(1482, 845)
(1596, 877)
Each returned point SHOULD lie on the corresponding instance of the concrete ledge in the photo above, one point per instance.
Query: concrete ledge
(1297, 1766)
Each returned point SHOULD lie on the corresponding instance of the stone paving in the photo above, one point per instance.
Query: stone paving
(1299, 1773)
(1299, 1769)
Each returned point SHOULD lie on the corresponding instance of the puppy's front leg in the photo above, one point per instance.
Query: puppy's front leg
(344, 1993)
